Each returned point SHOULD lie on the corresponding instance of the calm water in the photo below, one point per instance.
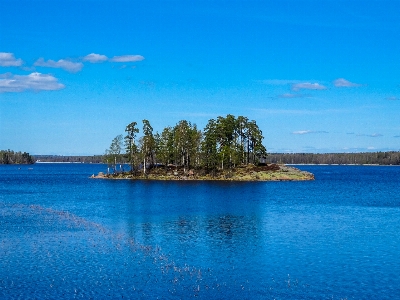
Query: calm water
(64, 235)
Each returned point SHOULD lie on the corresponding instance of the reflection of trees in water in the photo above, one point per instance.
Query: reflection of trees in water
(231, 228)
(73, 257)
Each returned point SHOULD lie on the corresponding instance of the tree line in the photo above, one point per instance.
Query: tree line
(224, 143)
(8, 157)
(363, 158)
(88, 159)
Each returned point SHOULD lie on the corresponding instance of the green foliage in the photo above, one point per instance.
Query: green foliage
(186, 143)
(224, 143)
(130, 145)
(10, 157)
(147, 145)
(113, 154)
(165, 146)
(210, 145)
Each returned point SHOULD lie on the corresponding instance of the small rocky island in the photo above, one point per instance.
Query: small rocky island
(228, 148)
(271, 172)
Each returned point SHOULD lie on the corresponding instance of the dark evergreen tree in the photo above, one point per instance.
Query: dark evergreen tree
(130, 144)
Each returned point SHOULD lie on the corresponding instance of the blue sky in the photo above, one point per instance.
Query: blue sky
(317, 76)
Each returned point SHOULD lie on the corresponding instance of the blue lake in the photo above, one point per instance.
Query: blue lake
(64, 235)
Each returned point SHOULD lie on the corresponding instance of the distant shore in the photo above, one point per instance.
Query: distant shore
(388, 158)
(272, 172)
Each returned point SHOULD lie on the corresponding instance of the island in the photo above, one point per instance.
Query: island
(10, 157)
(228, 148)
(271, 172)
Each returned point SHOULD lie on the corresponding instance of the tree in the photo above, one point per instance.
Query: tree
(241, 128)
(209, 146)
(11, 157)
(147, 145)
(226, 137)
(130, 144)
(255, 138)
(165, 146)
(113, 154)
(187, 144)
(196, 140)
(182, 143)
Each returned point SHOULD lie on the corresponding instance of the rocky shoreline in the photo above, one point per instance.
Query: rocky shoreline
(270, 172)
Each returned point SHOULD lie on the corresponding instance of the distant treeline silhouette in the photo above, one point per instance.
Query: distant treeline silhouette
(8, 157)
(379, 158)
(94, 159)
(364, 158)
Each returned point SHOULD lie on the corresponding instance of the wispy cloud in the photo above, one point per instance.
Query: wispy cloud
(279, 81)
(371, 135)
(392, 98)
(127, 58)
(299, 111)
(34, 81)
(290, 95)
(375, 135)
(95, 58)
(64, 64)
(286, 111)
(341, 82)
(308, 132)
(308, 86)
(8, 60)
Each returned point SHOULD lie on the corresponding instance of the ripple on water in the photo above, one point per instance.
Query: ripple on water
(55, 254)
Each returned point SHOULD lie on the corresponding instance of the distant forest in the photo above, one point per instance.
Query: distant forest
(8, 157)
(92, 159)
(365, 158)
(376, 158)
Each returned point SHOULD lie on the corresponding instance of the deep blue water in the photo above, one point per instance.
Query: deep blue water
(64, 235)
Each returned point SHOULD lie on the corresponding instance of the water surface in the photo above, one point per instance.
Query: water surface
(64, 235)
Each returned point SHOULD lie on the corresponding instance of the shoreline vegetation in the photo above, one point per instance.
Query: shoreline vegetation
(272, 172)
(9, 157)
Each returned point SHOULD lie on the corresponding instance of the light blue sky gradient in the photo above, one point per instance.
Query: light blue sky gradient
(317, 76)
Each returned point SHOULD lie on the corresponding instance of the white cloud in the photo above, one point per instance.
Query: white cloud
(34, 81)
(66, 65)
(9, 60)
(308, 86)
(302, 132)
(341, 82)
(95, 58)
(127, 58)
(308, 131)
